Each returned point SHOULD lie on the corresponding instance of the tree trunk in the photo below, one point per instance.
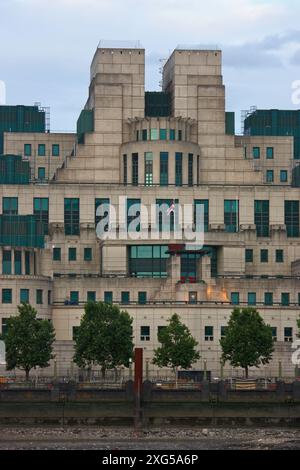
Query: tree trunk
(27, 374)
(247, 372)
(103, 370)
(176, 376)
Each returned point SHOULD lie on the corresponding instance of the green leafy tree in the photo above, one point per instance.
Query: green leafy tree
(248, 340)
(104, 337)
(28, 340)
(178, 347)
(298, 324)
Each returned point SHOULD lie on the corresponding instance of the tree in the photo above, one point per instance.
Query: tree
(298, 324)
(177, 347)
(28, 340)
(248, 340)
(104, 337)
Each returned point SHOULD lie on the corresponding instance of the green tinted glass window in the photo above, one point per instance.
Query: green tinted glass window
(55, 150)
(41, 150)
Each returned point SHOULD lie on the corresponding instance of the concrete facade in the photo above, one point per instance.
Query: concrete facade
(112, 162)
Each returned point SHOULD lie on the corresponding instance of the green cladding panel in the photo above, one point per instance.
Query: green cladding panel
(85, 124)
(275, 122)
(20, 119)
(229, 123)
(13, 170)
(21, 231)
(157, 104)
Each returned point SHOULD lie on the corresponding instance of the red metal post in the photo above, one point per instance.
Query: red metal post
(138, 370)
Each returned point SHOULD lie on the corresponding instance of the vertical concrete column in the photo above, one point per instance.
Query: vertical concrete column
(141, 168)
(12, 261)
(172, 159)
(185, 166)
(23, 260)
(173, 268)
(156, 168)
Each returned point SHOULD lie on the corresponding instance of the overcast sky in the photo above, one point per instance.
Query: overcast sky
(46, 47)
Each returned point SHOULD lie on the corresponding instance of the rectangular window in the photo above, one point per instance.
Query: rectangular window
(191, 169)
(55, 150)
(27, 263)
(270, 176)
(178, 169)
(166, 214)
(148, 168)
(41, 212)
(71, 216)
(285, 299)
(6, 296)
(125, 169)
(163, 134)
(235, 298)
(108, 297)
(135, 169)
(251, 298)
(24, 296)
(91, 296)
(56, 254)
(180, 135)
(88, 254)
(18, 262)
(279, 256)
(41, 173)
(49, 297)
(142, 298)
(27, 150)
(4, 329)
(10, 205)
(6, 262)
(268, 298)
(223, 331)
(264, 256)
(125, 297)
(292, 218)
(144, 135)
(172, 134)
(134, 215)
(193, 297)
(209, 333)
(164, 168)
(249, 255)
(145, 333)
(102, 209)
(299, 298)
(148, 261)
(74, 297)
(270, 153)
(137, 135)
(231, 215)
(283, 176)
(274, 333)
(39, 296)
(288, 335)
(75, 331)
(205, 204)
(72, 254)
(41, 150)
(256, 153)
(153, 134)
(262, 218)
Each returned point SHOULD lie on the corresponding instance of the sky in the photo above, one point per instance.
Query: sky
(46, 47)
